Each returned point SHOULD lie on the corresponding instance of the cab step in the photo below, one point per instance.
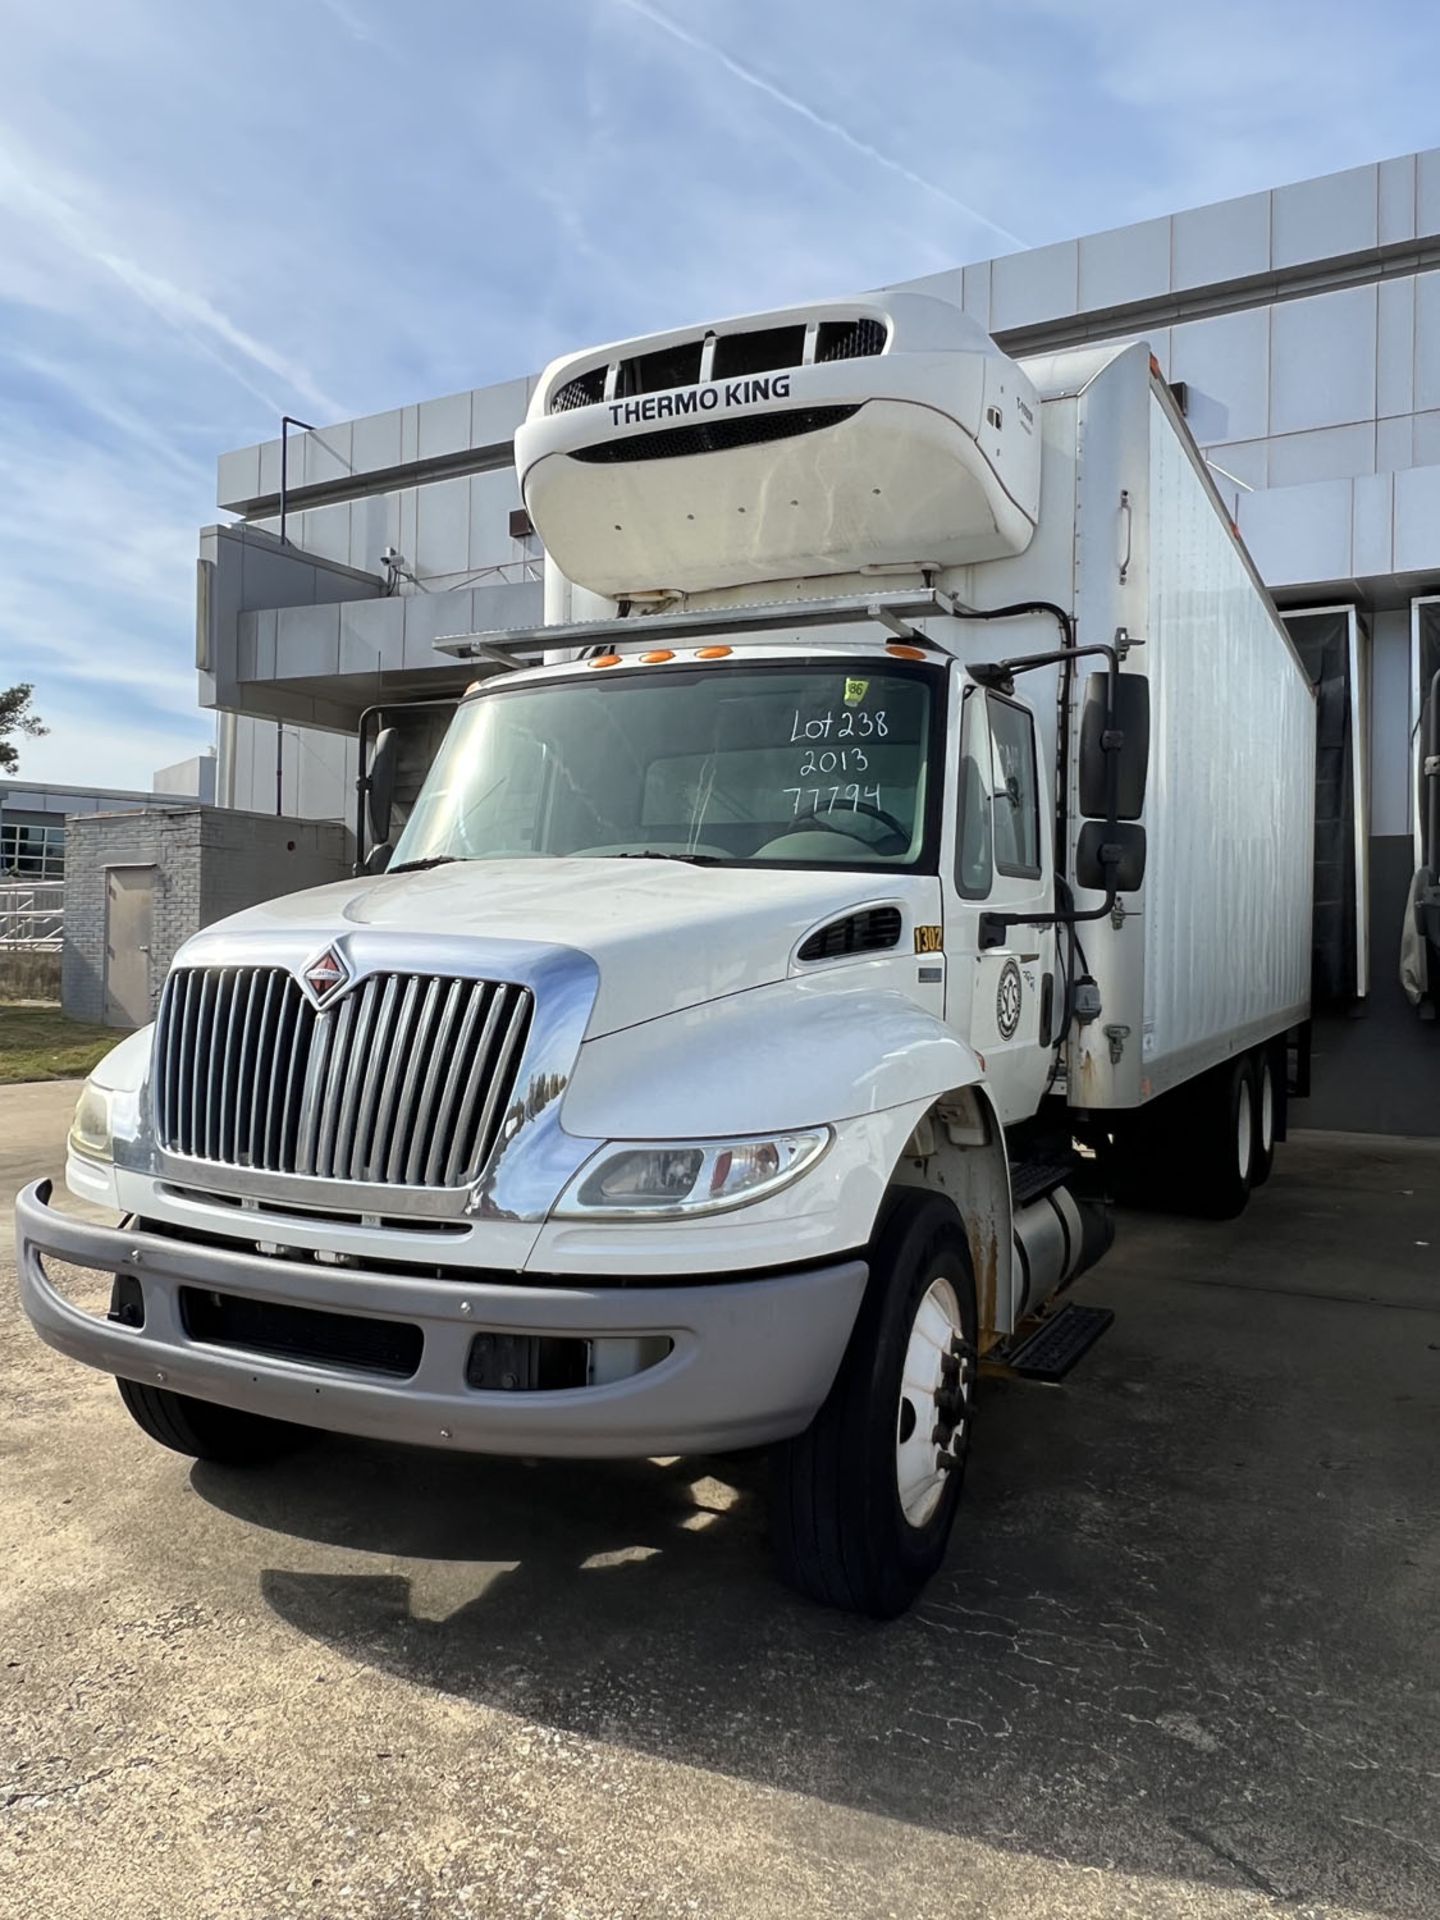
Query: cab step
(1031, 1180)
(1067, 1336)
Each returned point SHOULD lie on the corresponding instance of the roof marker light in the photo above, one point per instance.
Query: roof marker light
(606, 660)
(902, 652)
(713, 653)
(654, 659)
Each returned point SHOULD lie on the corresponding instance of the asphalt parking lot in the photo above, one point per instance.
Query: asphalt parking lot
(1184, 1658)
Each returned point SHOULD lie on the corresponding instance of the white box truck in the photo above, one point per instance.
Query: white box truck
(898, 838)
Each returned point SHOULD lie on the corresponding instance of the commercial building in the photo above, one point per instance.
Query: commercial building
(1301, 328)
(33, 816)
(35, 822)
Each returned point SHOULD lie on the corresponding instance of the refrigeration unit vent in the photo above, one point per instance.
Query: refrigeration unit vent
(849, 339)
(713, 436)
(583, 391)
(749, 350)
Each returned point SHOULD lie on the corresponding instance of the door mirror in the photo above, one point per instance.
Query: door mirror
(378, 858)
(1107, 857)
(380, 784)
(1128, 747)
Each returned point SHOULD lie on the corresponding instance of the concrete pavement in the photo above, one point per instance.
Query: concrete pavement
(1184, 1659)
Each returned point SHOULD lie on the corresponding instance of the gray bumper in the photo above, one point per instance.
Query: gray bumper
(751, 1362)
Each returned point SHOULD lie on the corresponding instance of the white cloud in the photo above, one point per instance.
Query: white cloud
(89, 750)
(195, 236)
(33, 195)
(354, 22)
(821, 121)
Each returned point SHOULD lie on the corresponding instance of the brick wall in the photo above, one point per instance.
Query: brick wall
(247, 857)
(209, 862)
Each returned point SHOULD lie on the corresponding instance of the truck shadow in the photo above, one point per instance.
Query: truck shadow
(1130, 1660)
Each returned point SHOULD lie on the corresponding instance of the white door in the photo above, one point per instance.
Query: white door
(1003, 865)
(129, 923)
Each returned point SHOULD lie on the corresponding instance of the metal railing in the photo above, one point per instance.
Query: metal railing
(32, 915)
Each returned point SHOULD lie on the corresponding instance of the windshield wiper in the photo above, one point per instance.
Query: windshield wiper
(691, 859)
(424, 866)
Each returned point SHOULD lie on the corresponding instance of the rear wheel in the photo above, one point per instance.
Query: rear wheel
(1218, 1141)
(224, 1435)
(1267, 1107)
(863, 1501)
(1194, 1150)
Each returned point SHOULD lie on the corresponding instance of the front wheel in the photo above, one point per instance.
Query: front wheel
(225, 1435)
(863, 1501)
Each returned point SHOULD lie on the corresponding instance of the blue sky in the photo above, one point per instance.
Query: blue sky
(212, 214)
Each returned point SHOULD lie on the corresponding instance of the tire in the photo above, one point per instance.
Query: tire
(1193, 1151)
(205, 1431)
(1269, 1100)
(1218, 1144)
(846, 1531)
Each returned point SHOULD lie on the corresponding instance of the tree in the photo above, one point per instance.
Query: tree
(17, 716)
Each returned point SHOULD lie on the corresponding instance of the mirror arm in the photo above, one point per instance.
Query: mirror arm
(993, 926)
(1001, 674)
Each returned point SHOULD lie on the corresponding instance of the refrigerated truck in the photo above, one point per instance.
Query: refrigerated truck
(897, 839)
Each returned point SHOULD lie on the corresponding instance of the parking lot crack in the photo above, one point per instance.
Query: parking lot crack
(1192, 1830)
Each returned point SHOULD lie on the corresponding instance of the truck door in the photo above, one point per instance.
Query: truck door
(1003, 863)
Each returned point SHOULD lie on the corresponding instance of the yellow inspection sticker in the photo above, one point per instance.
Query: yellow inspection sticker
(855, 692)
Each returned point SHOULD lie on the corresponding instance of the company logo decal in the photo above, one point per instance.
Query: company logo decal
(326, 975)
(1008, 997)
(675, 406)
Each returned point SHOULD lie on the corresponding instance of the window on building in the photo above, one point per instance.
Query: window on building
(1015, 788)
(32, 850)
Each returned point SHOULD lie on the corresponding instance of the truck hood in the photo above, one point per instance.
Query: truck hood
(664, 935)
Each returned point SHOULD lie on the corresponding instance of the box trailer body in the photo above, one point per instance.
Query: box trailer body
(1134, 536)
(896, 840)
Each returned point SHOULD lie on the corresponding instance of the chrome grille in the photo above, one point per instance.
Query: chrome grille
(405, 1080)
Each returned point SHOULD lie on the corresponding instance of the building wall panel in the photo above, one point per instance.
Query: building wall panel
(1225, 364)
(1322, 360)
(1227, 241)
(1317, 219)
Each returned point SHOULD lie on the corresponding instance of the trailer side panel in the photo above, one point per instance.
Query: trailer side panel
(1232, 778)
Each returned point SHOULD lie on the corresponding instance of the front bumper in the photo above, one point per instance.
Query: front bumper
(751, 1360)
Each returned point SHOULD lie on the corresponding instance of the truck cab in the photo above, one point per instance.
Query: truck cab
(714, 1061)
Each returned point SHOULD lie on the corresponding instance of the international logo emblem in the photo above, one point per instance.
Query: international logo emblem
(326, 975)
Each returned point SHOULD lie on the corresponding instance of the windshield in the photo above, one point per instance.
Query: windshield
(820, 766)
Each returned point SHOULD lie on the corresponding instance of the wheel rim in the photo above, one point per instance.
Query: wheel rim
(1267, 1108)
(935, 1393)
(1244, 1120)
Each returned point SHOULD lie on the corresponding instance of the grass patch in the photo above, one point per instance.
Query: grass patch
(30, 976)
(39, 1043)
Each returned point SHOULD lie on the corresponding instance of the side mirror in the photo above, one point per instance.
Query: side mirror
(378, 858)
(1107, 856)
(380, 784)
(1130, 751)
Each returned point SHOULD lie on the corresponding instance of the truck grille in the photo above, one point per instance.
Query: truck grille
(405, 1080)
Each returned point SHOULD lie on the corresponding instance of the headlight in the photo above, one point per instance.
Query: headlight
(702, 1176)
(90, 1130)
